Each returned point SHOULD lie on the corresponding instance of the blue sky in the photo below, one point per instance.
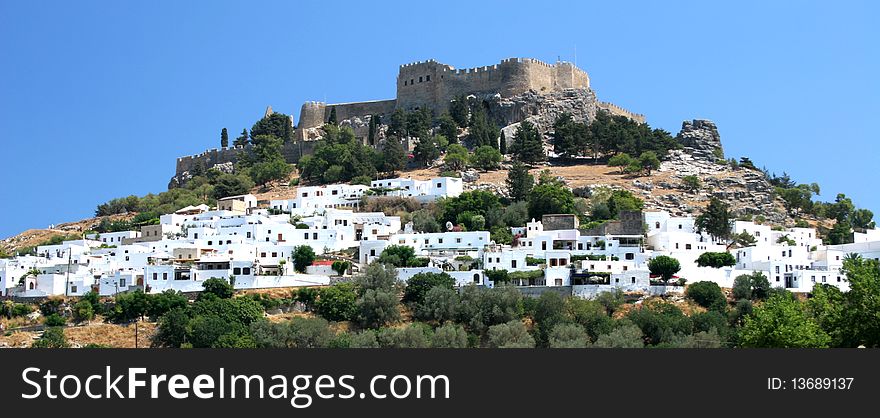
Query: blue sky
(97, 99)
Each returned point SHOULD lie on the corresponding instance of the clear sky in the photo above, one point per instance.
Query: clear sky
(97, 99)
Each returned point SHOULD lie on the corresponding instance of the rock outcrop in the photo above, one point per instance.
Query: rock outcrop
(700, 138)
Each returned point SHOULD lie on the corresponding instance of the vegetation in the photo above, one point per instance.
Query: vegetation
(664, 266)
(716, 259)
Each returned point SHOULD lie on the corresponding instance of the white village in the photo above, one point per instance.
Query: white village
(251, 244)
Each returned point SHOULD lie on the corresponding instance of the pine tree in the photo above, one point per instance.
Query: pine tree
(242, 139)
(528, 147)
(224, 138)
(519, 182)
(393, 156)
(371, 134)
(502, 144)
(715, 219)
(332, 119)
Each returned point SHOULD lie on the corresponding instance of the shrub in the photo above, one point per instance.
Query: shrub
(412, 336)
(512, 334)
(569, 336)
(417, 286)
(716, 259)
(83, 311)
(664, 266)
(449, 336)
(626, 336)
(337, 302)
(53, 337)
(55, 320)
(377, 308)
(707, 295)
(218, 287)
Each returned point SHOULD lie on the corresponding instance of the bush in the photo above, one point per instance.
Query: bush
(377, 308)
(219, 287)
(364, 339)
(418, 286)
(53, 337)
(568, 336)
(55, 320)
(83, 311)
(707, 295)
(512, 334)
(439, 305)
(482, 307)
(625, 336)
(307, 296)
(337, 302)
(716, 259)
(449, 336)
(660, 322)
(412, 336)
(299, 332)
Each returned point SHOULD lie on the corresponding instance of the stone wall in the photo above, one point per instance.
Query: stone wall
(619, 111)
(433, 84)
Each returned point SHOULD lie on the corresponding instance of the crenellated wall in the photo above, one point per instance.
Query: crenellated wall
(433, 84)
(619, 111)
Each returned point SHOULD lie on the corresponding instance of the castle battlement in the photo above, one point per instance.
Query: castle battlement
(619, 111)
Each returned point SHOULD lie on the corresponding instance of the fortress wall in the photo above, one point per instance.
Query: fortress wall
(359, 109)
(208, 158)
(311, 115)
(619, 111)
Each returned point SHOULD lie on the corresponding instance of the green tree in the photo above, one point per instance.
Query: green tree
(569, 138)
(664, 266)
(568, 336)
(621, 161)
(448, 128)
(393, 156)
(482, 131)
(661, 323)
(449, 336)
(377, 308)
(691, 183)
(519, 182)
(527, 146)
(863, 302)
(481, 307)
(242, 139)
(341, 266)
(83, 311)
(549, 312)
(707, 295)
(277, 125)
(457, 158)
(231, 185)
(486, 158)
(303, 256)
(512, 334)
(426, 150)
(649, 161)
(625, 336)
(459, 111)
(550, 196)
(715, 219)
(53, 337)
(398, 256)
(338, 302)
(159, 304)
(224, 138)
(219, 287)
(417, 286)
(440, 304)
(502, 144)
(716, 259)
(781, 322)
(412, 336)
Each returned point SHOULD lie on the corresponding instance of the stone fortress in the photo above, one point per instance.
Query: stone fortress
(515, 89)
(432, 85)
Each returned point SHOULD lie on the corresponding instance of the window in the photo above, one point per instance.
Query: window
(427, 78)
(476, 277)
(315, 235)
(630, 256)
(558, 282)
(617, 280)
(633, 280)
(248, 234)
(439, 185)
(274, 254)
(676, 245)
(657, 225)
(679, 226)
(246, 271)
(262, 255)
(165, 276)
(73, 288)
(373, 252)
(305, 236)
(121, 282)
(155, 276)
(210, 242)
(513, 264)
(335, 192)
(687, 246)
(823, 279)
(440, 240)
(236, 271)
(544, 245)
(458, 240)
(420, 79)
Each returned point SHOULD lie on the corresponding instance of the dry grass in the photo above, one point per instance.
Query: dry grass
(111, 335)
